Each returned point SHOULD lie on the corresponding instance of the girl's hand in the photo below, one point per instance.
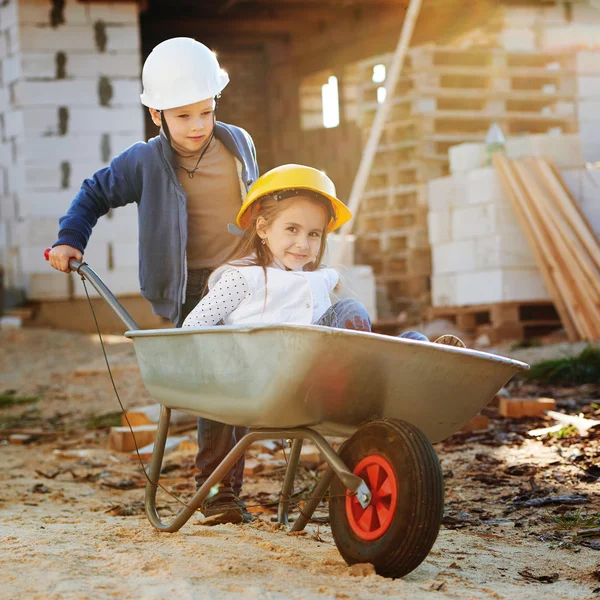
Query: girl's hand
(60, 256)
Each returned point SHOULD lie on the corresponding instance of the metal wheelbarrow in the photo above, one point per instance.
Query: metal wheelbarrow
(391, 397)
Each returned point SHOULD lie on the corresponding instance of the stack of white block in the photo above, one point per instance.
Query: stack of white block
(588, 101)
(479, 252)
(74, 105)
(584, 185)
(569, 27)
(550, 27)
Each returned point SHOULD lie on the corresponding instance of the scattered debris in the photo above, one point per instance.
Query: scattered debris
(528, 574)
(362, 570)
(537, 502)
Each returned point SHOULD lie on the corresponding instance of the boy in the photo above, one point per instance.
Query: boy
(189, 183)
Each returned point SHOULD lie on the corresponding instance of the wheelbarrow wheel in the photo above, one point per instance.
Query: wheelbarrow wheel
(399, 527)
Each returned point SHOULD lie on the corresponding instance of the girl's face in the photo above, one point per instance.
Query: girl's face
(295, 234)
(190, 126)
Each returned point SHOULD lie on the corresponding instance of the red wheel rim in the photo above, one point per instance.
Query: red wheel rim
(372, 522)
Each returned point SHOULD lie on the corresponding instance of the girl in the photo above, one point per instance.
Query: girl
(274, 275)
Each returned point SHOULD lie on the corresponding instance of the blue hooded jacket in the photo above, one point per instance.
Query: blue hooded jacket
(145, 173)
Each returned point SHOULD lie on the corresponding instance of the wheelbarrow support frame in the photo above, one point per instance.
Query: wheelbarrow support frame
(336, 466)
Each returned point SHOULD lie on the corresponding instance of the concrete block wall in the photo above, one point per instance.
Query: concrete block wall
(479, 253)
(70, 103)
(572, 27)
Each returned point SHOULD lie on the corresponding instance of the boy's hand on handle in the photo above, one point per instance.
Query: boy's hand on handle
(59, 257)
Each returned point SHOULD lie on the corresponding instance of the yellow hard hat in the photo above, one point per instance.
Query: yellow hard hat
(294, 177)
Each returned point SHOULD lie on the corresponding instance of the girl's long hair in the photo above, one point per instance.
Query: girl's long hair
(251, 251)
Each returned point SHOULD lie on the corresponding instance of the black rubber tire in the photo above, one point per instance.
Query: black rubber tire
(420, 501)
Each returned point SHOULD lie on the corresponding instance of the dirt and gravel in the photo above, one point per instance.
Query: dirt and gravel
(71, 511)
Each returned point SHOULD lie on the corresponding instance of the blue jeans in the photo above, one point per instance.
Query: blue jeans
(351, 314)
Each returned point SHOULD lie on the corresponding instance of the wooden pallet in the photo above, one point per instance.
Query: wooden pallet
(505, 320)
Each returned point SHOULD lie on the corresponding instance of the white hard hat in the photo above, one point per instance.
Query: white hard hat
(181, 71)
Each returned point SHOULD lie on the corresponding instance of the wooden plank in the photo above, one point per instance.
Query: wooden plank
(364, 168)
(570, 210)
(568, 271)
(546, 265)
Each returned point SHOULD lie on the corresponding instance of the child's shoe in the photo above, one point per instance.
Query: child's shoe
(245, 514)
(450, 340)
(222, 508)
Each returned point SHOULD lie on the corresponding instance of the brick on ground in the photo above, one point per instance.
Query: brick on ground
(121, 439)
(477, 423)
(517, 408)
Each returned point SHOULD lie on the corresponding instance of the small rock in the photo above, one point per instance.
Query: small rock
(362, 570)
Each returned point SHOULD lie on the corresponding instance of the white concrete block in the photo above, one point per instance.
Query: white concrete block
(588, 86)
(36, 12)
(125, 92)
(45, 204)
(481, 221)
(9, 16)
(357, 281)
(334, 244)
(499, 285)
(14, 123)
(123, 38)
(587, 62)
(521, 16)
(464, 157)
(583, 12)
(49, 286)
(125, 255)
(573, 36)
(453, 257)
(123, 282)
(31, 259)
(123, 225)
(42, 38)
(82, 121)
(33, 232)
(484, 187)
(11, 69)
(439, 227)
(443, 290)
(4, 239)
(589, 109)
(521, 39)
(441, 193)
(84, 66)
(584, 185)
(8, 208)
(70, 147)
(56, 93)
(509, 250)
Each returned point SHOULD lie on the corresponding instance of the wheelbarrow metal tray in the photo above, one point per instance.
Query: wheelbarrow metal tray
(287, 376)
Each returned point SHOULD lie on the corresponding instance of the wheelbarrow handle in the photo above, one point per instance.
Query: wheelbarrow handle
(73, 264)
(86, 272)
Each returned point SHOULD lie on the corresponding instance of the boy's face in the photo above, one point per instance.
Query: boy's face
(190, 126)
(295, 235)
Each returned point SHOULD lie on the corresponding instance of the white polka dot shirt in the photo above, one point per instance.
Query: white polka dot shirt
(226, 295)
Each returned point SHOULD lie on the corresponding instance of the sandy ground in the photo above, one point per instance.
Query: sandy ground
(72, 526)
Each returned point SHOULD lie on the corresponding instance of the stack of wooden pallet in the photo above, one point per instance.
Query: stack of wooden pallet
(564, 244)
(447, 96)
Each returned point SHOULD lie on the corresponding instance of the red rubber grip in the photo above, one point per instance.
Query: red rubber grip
(47, 253)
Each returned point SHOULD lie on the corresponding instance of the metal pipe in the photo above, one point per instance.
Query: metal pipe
(315, 498)
(351, 481)
(88, 273)
(288, 482)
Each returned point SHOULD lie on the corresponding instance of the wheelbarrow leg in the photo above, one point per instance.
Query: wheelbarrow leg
(156, 462)
(315, 498)
(288, 482)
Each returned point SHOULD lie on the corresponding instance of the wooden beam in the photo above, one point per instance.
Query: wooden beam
(358, 187)
(202, 27)
(226, 6)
